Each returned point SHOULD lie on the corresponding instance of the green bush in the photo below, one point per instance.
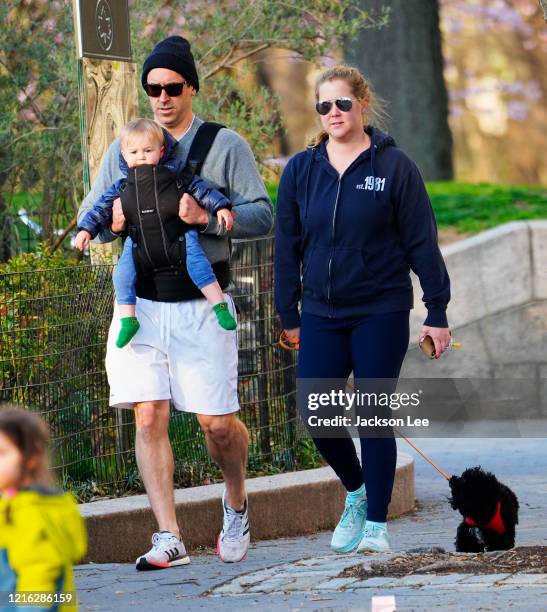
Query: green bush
(53, 328)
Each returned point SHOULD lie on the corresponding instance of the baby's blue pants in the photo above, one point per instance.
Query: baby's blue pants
(125, 274)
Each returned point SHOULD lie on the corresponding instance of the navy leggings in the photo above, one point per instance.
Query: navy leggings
(373, 346)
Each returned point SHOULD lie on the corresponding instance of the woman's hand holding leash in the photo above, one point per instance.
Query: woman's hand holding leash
(290, 339)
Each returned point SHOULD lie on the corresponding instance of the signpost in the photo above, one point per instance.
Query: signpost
(108, 100)
(107, 86)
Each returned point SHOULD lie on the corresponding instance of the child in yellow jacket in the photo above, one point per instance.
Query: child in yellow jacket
(42, 533)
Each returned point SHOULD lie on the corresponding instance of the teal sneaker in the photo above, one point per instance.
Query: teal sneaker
(349, 530)
(374, 539)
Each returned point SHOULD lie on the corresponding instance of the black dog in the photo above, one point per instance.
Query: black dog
(489, 510)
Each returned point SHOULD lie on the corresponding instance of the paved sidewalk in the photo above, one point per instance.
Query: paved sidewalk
(300, 573)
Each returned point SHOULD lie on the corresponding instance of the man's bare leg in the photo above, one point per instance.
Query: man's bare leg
(155, 461)
(227, 442)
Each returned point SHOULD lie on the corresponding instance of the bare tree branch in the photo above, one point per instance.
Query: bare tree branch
(235, 26)
(230, 64)
(41, 129)
(62, 237)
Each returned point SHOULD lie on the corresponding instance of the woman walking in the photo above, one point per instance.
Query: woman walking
(353, 217)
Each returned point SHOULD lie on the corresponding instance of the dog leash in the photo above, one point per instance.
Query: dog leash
(400, 433)
(290, 343)
(422, 454)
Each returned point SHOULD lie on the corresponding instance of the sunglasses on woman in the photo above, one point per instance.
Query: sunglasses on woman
(171, 89)
(344, 104)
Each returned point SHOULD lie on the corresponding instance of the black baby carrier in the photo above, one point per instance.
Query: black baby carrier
(150, 201)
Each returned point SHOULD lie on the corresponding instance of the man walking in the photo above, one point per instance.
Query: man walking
(180, 353)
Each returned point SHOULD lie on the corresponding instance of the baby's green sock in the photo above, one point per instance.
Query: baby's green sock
(224, 317)
(130, 326)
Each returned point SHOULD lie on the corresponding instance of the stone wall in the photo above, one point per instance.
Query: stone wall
(498, 311)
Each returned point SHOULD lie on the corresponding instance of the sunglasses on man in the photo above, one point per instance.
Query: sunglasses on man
(171, 89)
(344, 104)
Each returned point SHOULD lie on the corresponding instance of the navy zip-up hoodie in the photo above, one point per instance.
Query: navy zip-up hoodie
(344, 245)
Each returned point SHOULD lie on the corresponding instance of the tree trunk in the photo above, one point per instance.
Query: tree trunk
(264, 79)
(5, 232)
(404, 63)
(6, 223)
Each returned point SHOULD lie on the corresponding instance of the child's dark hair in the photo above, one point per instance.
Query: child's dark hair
(28, 432)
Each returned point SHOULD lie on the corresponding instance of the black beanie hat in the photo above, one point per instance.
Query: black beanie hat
(174, 54)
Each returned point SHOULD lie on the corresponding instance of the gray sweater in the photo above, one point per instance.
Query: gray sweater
(231, 166)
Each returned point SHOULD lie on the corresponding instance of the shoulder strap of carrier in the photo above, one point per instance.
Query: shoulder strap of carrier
(199, 149)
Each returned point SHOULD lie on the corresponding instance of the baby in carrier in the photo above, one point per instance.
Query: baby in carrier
(143, 142)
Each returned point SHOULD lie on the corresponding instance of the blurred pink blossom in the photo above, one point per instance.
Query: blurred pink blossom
(276, 162)
(27, 92)
(328, 61)
(165, 12)
(527, 7)
(532, 91)
(500, 14)
(28, 114)
(294, 57)
(455, 111)
(454, 25)
(517, 110)
(149, 28)
(50, 24)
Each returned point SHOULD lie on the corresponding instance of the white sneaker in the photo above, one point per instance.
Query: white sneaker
(233, 541)
(349, 531)
(167, 551)
(374, 539)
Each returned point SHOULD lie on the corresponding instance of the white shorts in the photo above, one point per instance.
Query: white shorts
(180, 353)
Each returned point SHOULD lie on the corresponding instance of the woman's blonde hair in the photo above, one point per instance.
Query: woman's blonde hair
(361, 88)
(141, 127)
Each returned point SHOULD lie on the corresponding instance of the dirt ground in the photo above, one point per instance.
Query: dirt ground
(524, 559)
(448, 236)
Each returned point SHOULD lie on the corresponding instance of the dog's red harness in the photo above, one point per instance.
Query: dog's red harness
(495, 523)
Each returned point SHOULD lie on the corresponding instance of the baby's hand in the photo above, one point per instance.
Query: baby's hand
(225, 216)
(82, 239)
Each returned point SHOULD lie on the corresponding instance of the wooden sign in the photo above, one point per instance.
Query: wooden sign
(102, 29)
(107, 81)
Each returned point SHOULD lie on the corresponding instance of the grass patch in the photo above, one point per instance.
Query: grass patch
(24, 199)
(271, 188)
(472, 208)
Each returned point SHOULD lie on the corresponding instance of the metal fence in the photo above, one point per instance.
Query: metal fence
(53, 331)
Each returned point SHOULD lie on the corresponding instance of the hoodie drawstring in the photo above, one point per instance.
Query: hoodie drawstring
(308, 174)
